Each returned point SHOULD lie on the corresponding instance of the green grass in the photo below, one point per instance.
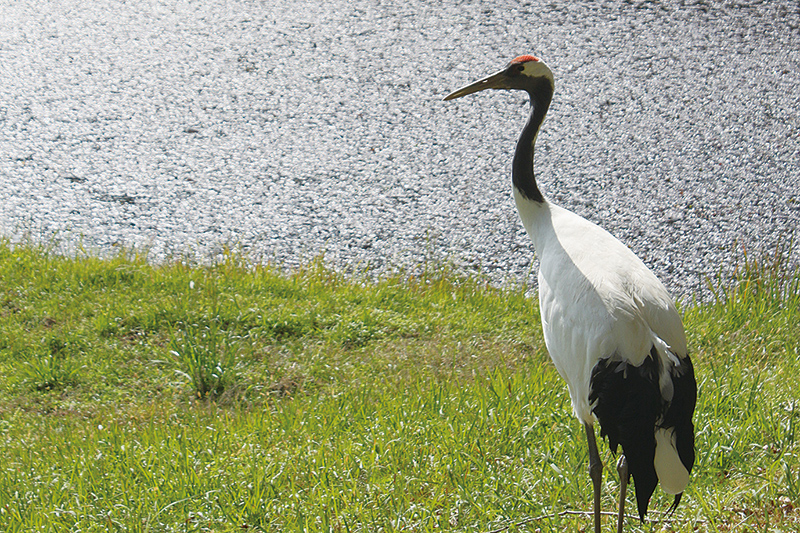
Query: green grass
(143, 398)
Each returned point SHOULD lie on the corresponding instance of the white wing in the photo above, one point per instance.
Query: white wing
(597, 299)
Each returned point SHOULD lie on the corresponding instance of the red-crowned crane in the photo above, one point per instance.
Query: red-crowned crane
(609, 324)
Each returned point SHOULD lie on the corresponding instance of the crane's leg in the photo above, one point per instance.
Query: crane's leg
(622, 470)
(595, 472)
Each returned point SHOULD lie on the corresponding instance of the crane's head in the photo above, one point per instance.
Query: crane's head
(525, 73)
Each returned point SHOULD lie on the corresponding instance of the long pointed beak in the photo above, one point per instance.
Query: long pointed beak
(495, 81)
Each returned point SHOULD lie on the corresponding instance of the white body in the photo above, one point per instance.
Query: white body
(599, 300)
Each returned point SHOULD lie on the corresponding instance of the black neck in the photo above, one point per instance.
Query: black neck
(522, 169)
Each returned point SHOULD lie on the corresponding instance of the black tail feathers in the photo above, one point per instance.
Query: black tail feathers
(628, 403)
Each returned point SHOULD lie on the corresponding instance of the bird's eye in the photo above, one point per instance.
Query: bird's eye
(515, 70)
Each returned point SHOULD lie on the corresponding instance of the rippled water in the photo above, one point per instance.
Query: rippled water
(292, 130)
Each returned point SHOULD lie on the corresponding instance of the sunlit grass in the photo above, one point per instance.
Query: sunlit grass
(230, 398)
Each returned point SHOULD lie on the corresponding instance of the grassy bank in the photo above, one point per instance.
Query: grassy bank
(172, 398)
